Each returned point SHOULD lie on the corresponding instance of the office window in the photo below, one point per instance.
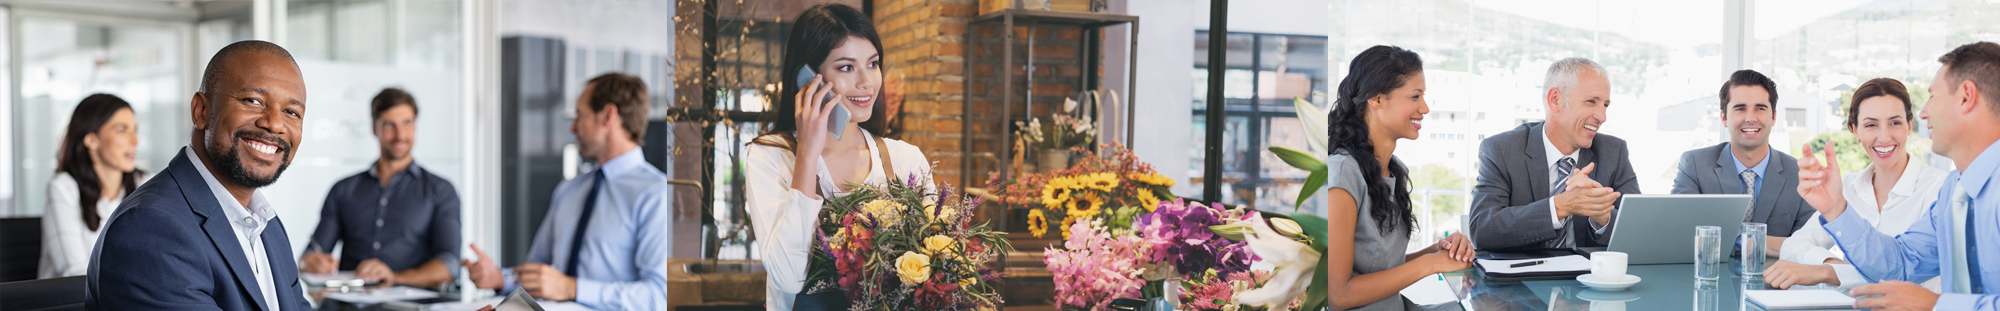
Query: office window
(1265, 72)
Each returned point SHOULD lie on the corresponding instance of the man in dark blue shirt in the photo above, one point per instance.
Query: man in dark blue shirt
(399, 223)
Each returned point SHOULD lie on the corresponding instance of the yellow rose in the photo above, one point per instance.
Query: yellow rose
(938, 245)
(967, 282)
(884, 211)
(913, 268)
(944, 214)
(840, 238)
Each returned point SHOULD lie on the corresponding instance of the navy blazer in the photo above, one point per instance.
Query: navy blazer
(170, 247)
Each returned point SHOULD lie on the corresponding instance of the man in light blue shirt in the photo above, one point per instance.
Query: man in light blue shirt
(608, 233)
(1959, 240)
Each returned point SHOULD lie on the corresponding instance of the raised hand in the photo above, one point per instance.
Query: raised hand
(1819, 183)
(484, 273)
(810, 118)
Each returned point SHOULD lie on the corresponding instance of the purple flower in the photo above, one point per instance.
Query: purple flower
(1182, 238)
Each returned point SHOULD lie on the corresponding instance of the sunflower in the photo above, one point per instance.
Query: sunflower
(1152, 178)
(1101, 181)
(1088, 205)
(1038, 222)
(1147, 199)
(1078, 182)
(1067, 222)
(1056, 192)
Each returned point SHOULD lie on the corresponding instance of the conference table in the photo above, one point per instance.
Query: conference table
(1661, 287)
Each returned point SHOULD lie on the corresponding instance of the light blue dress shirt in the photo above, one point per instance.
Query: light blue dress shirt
(1757, 188)
(623, 264)
(1925, 251)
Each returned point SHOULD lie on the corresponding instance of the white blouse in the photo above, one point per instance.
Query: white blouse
(1908, 201)
(66, 241)
(784, 218)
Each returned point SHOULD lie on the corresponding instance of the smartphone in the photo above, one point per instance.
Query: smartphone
(838, 124)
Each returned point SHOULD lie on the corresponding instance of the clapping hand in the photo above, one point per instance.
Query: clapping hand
(1586, 197)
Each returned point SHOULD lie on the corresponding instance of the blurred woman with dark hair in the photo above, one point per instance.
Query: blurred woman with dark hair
(94, 172)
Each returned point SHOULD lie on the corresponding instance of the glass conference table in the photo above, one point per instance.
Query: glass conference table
(1661, 287)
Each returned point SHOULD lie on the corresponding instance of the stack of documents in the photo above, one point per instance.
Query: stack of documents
(1800, 299)
(1560, 264)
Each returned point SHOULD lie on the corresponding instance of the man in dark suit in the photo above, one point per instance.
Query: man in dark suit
(199, 236)
(1747, 164)
(1539, 184)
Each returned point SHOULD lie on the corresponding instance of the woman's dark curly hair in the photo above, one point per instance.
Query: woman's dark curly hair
(1377, 71)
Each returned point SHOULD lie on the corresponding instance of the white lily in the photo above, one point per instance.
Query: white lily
(1295, 262)
(1069, 104)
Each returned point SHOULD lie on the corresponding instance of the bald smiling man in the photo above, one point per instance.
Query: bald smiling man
(200, 236)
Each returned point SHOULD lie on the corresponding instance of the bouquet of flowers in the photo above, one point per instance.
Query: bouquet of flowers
(1185, 243)
(1113, 187)
(1095, 267)
(901, 246)
(1213, 290)
(1068, 129)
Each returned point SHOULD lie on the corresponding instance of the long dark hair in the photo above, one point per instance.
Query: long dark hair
(75, 158)
(1376, 71)
(815, 34)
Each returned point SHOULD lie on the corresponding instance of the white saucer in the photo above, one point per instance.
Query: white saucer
(1622, 283)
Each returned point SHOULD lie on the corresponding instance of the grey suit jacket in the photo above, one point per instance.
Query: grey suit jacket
(1710, 170)
(1510, 206)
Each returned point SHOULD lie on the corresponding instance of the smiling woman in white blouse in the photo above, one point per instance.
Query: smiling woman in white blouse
(95, 171)
(797, 164)
(1891, 193)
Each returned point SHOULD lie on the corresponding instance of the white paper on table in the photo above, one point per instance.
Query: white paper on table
(316, 279)
(1555, 264)
(383, 295)
(476, 304)
(1800, 299)
(1429, 291)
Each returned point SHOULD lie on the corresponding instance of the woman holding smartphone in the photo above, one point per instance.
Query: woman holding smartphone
(800, 161)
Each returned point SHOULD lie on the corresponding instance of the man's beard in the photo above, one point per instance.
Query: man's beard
(232, 165)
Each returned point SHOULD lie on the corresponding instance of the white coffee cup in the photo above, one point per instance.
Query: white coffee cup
(1607, 265)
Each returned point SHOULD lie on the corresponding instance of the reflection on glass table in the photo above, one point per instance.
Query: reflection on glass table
(1665, 287)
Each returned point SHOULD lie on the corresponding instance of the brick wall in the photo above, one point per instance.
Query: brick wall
(927, 49)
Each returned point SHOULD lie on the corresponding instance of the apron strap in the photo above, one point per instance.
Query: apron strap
(888, 168)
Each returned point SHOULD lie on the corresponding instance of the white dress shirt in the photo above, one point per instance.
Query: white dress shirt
(249, 224)
(784, 218)
(1908, 200)
(1552, 155)
(66, 240)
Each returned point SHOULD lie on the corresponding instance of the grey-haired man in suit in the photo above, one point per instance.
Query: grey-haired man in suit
(1554, 184)
(1747, 164)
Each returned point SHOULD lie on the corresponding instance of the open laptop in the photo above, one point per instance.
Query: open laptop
(1659, 228)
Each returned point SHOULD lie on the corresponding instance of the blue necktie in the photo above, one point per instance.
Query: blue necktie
(1972, 253)
(583, 221)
